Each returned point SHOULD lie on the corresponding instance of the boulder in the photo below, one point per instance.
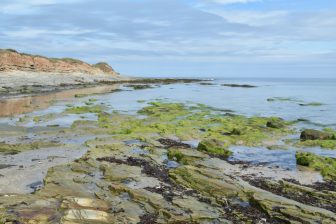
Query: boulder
(311, 134)
(214, 147)
(275, 123)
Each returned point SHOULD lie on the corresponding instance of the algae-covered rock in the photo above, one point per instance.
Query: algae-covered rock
(215, 147)
(85, 109)
(10, 149)
(326, 165)
(310, 134)
(275, 123)
(185, 156)
(324, 139)
(124, 177)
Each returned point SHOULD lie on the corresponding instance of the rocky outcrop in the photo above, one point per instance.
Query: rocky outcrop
(11, 60)
(310, 134)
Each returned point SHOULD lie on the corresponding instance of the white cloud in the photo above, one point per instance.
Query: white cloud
(252, 18)
(27, 6)
(166, 30)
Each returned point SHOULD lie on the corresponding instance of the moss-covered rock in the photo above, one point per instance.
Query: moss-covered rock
(310, 134)
(275, 123)
(326, 165)
(214, 147)
(85, 109)
(21, 147)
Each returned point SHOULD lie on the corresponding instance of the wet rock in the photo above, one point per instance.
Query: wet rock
(198, 210)
(139, 86)
(215, 147)
(89, 203)
(326, 165)
(275, 123)
(35, 186)
(4, 166)
(172, 143)
(239, 85)
(86, 216)
(304, 194)
(310, 134)
(148, 218)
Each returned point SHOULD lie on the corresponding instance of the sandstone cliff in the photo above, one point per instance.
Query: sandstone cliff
(11, 60)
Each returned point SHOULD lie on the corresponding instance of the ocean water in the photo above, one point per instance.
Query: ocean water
(245, 101)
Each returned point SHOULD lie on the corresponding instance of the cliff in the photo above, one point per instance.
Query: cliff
(11, 60)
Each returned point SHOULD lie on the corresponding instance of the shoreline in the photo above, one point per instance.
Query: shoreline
(20, 84)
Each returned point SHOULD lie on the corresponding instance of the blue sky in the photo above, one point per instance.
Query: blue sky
(256, 38)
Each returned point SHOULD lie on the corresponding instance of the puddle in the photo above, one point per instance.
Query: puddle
(139, 151)
(21, 105)
(170, 164)
(32, 166)
(35, 185)
(283, 158)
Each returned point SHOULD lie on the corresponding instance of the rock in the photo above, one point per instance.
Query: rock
(89, 203)
(239, 85)
(215, 147)
(275, 123)
(310, 134)
(87, 215)
(326, 165)
(199, 210)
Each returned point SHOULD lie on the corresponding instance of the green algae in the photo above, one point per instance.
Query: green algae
(189, 123)
(44, 118)
(327, 144)
(312, 104)
(184, 156)
(10, 149)
(326, 165)
(312, 138)
(283, 99)
(84, 109)
(214, 147)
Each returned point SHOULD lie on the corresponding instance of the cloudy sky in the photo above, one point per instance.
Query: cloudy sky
(273, 38)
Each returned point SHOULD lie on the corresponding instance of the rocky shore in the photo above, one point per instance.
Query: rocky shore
(85, 161)
(147, 168)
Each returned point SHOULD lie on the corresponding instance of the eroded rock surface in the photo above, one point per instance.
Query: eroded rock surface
(11, 60)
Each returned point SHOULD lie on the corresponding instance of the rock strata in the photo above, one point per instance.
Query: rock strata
(11, 60)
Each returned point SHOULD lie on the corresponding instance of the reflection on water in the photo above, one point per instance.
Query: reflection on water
(15, 106)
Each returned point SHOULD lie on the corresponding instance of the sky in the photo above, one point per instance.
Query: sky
(185, 38)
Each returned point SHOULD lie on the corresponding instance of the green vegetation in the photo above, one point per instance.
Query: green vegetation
(85, 109)
(10, 149)
(184, 156)
(325, 138)
(189, 123)
(283, 99)
(326, 165)
(69, 60)
(328, 144)
(313, 104)
(214, 147)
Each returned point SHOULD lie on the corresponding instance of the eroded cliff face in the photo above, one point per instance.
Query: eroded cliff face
(11, 60)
